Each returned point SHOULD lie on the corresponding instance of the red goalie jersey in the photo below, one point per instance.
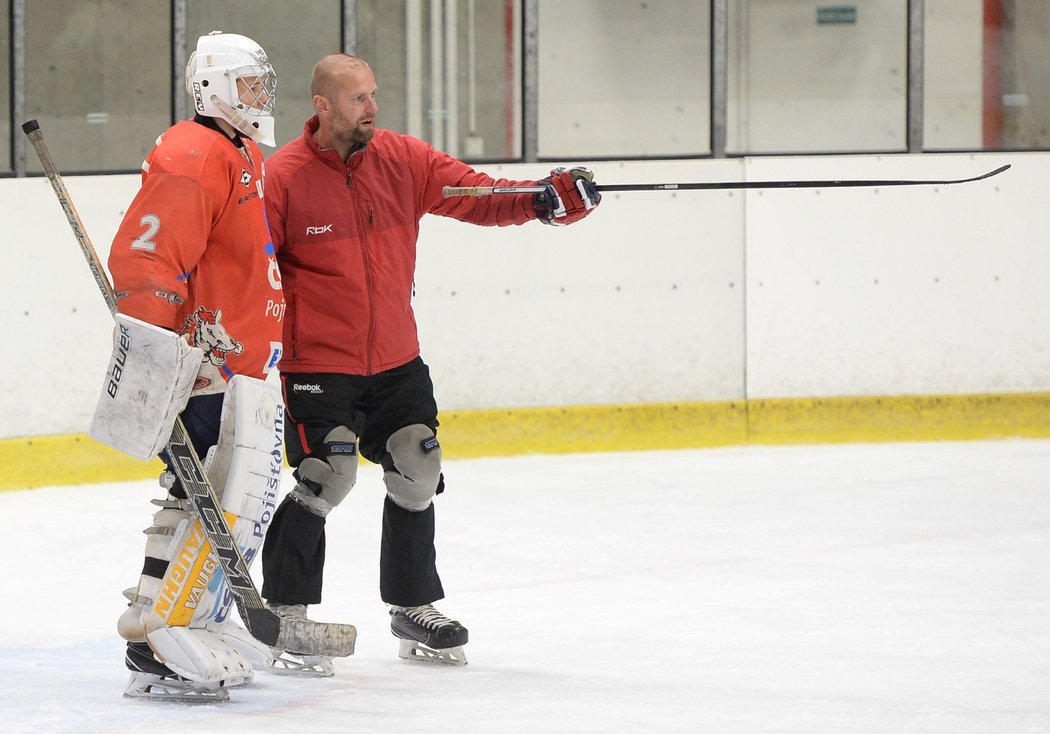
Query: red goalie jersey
(193, 253)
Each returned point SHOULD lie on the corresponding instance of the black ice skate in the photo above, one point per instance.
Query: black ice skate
(154, 680)
(427, 634)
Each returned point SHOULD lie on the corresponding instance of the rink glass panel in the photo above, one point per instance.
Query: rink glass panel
(448, 72)
(624, 79)
(98, 79)
(806, 81)
(614, 79)
(294, 36)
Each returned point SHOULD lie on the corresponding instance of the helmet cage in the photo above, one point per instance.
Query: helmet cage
(259, 95)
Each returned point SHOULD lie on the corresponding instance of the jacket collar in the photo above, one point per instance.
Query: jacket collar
(328, 155)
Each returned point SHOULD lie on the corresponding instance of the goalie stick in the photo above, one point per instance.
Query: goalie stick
(302, 636)
(449, 191)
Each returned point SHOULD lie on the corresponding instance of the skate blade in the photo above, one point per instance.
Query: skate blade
(412, 650)
(306, 666)
(154, 688)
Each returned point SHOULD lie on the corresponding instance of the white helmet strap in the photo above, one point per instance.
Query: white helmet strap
(239, 121)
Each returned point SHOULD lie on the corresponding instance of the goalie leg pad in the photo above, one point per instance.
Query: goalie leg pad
(255, 652)
(245, 467)
(147, 385)
(327, 476)
(200, 655)
(412, 467)
(171, 524)
(183, 612)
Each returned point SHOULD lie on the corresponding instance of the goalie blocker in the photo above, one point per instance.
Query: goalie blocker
(148, 383)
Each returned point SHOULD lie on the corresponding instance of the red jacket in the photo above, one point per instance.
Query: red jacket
(346, 235)
(193, 253)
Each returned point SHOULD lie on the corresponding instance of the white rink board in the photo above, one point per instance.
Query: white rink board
(55, 324)
(645, 301)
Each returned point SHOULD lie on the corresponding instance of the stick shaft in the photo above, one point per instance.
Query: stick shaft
(450, 191)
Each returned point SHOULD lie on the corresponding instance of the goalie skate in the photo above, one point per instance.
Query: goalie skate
(152, 679)
(287, 662)
(428, 635)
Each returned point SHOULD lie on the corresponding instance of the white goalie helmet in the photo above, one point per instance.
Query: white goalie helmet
(212, 75)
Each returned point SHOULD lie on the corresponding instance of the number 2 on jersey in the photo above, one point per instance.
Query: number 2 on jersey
(145, 240)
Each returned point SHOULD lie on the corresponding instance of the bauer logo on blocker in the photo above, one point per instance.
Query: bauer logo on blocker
(116, 370)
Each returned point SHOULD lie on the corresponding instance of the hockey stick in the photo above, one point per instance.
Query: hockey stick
(303, 636)
(449, 191)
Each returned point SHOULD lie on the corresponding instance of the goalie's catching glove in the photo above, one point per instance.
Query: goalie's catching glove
(570, 196)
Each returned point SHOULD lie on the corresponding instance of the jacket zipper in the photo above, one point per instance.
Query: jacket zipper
(365, 240)
(368, 282)
(368, 275)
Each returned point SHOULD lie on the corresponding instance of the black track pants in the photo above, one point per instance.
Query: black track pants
(408, 574)
(293, 556)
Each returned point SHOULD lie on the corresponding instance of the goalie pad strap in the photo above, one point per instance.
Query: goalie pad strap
(155, 567)
(157, 530)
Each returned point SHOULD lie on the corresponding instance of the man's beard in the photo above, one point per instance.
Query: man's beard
(356, 137)
(362, 135)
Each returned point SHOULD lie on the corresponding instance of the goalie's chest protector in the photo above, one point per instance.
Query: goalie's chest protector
(193, 253)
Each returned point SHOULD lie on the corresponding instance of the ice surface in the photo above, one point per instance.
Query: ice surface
(877, 588)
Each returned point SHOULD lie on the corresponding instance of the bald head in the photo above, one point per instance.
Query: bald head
(329, 71)
(344, 96)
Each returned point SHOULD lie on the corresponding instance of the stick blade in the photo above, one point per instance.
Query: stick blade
(996, 172)
(306, 637)
(301, 636)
